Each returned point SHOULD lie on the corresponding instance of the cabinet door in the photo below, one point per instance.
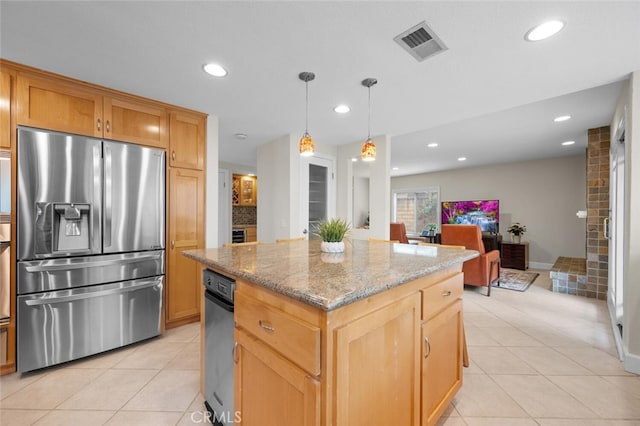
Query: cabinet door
(379, 351)
(54, 105)
(186, 232)
(133, 120)
(248, 191)
(187, 141)
(250, 234)
(5, 109)
(441, 361)
(269, 389)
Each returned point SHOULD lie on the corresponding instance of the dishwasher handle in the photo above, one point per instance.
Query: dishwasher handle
(227, 306)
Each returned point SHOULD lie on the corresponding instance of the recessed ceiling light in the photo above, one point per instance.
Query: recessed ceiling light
(215, 70)
(544, 30)
(568, 143)
(462, 158)
(562, 118)
(342, 109)
(432, 145)
(241, 136)
(395, 168)
(354, 159)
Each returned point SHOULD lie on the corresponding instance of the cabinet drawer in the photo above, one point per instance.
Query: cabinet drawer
(438, 296)
(297, 340)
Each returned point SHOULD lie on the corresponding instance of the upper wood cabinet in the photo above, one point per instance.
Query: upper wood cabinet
(244, 190)
(49, 103)
(187, 146)
(126, 119)
(5, 109)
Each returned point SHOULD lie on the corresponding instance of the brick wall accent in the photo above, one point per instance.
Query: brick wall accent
(597, 211)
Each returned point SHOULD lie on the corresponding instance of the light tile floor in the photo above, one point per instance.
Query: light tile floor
(537, 358)
(541, 358)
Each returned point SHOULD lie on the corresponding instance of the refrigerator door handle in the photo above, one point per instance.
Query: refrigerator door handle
(97, 191)
(91, 264)
(108, 202)
(90, 295)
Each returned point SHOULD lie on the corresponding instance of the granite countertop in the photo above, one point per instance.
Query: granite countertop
(328, 281)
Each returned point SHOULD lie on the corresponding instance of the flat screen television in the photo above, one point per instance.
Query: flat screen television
(485, 213)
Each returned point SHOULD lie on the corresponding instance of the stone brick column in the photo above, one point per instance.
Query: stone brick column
(597, 210)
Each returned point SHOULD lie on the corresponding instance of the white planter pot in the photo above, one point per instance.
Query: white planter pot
(332, 247)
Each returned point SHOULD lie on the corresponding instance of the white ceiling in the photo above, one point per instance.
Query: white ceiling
(490, 97)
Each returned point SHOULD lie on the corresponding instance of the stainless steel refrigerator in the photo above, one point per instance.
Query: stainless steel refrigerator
(90, 249)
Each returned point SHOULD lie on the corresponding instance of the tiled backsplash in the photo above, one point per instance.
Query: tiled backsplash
(244, 215)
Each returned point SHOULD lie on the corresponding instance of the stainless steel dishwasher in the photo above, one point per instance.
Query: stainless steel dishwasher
(218, 361)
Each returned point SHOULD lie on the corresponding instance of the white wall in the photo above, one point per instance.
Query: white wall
(544, 195)
(278, 170)
(274, 189)
(379, 188)
(211, 184)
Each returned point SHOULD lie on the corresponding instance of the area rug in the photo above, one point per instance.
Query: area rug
(512, 279)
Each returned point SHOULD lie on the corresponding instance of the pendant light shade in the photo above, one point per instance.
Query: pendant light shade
(369, 148)
(306, 145)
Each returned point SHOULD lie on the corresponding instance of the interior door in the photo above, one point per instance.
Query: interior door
(317, 198)
(616, 225)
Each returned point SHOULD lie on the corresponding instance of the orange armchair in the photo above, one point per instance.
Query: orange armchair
(398, 232)
(480, 271)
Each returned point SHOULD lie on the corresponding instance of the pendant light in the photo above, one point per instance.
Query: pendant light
(369, 148)
(306, 145)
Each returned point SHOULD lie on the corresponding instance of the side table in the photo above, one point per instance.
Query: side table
(515, 255)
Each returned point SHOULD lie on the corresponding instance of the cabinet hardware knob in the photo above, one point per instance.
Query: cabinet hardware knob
(107, 126)
(173, 244)
(234, 353)
(266, 326)
(446, 293)
(427, 347)
(99, 124)
(173, 155)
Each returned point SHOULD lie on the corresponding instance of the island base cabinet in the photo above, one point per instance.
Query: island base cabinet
(442, 336)
(379, 351)
(269, 389)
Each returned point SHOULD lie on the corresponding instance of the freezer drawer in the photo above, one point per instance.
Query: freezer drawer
(64, 325)
(59, 274)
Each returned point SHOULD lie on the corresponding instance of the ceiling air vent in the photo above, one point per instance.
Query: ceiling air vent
(420, 41)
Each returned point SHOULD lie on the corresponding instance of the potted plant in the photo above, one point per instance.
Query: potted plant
(517, 229)
(332, 232)
(431, 230)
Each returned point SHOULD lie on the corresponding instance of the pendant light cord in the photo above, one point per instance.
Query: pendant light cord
(369, 121)
(306, 122)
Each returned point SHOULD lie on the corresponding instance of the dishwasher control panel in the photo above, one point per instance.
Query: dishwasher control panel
(219, 284)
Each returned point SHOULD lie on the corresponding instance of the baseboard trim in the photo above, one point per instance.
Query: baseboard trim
(540, 265)
(631, 362)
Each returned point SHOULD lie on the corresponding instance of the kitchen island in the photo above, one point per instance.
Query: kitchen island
(370, 336)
